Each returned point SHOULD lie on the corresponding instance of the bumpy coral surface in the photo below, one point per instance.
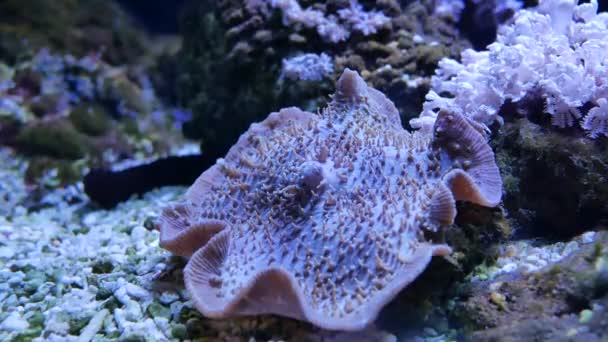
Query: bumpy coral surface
(326, 217)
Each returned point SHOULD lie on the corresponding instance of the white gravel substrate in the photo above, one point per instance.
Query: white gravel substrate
(70, 272)
(73, 272)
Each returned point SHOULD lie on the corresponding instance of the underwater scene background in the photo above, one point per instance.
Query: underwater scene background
(443, 177)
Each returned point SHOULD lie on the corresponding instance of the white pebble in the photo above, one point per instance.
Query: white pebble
(15, 322)
(136, 291)
(90, 219)
(533, 259)
(16, 279)
(133, 311)
(119, 317)
(510, 267)
(152, 330)
(68, 280)
(121, 295)
(168, 297)
(138, 233)
(93, 326)
(162, 323)
(4, 229)
(6, 252)
(418, 39)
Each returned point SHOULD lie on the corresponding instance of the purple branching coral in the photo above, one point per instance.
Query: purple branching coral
(330, 27)
(365, 22)
(558, 51)
(326, 217)
(307, 67)
(327, 27)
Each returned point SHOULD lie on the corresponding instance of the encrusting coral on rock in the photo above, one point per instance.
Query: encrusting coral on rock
(326, 217)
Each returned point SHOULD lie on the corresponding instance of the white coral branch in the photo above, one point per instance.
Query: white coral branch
(558, 51)
(596, 121)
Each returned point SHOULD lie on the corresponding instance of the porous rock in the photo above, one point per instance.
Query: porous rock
(326, 217)
(533, 160)
(564, 301)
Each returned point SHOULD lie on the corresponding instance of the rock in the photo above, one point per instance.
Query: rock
(56, 138)
(588, 237)
(168, 297)
(94, 325)
(102, 266)
(136, 291)
(6, 252)
(15, 322)
(563, 300)
(128, 96)
(554, 181)
(90, 119)
(179, 331)
(79, 27)
(158, 310)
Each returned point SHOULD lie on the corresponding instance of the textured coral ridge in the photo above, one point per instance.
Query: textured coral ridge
(326, 217)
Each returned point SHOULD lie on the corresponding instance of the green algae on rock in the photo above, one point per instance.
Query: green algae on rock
(533, 160)
(325, 218)
(55, 138)
(58, 108)
(90, 119)
(76, 26)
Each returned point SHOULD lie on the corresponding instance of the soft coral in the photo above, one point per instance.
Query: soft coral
(558, 52)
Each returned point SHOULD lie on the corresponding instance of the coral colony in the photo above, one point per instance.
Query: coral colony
(307, 67)
(557, 52)
(326, 217)
(330, 28)
(312, 220)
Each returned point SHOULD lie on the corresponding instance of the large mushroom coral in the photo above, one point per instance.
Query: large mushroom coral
(326, 217)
